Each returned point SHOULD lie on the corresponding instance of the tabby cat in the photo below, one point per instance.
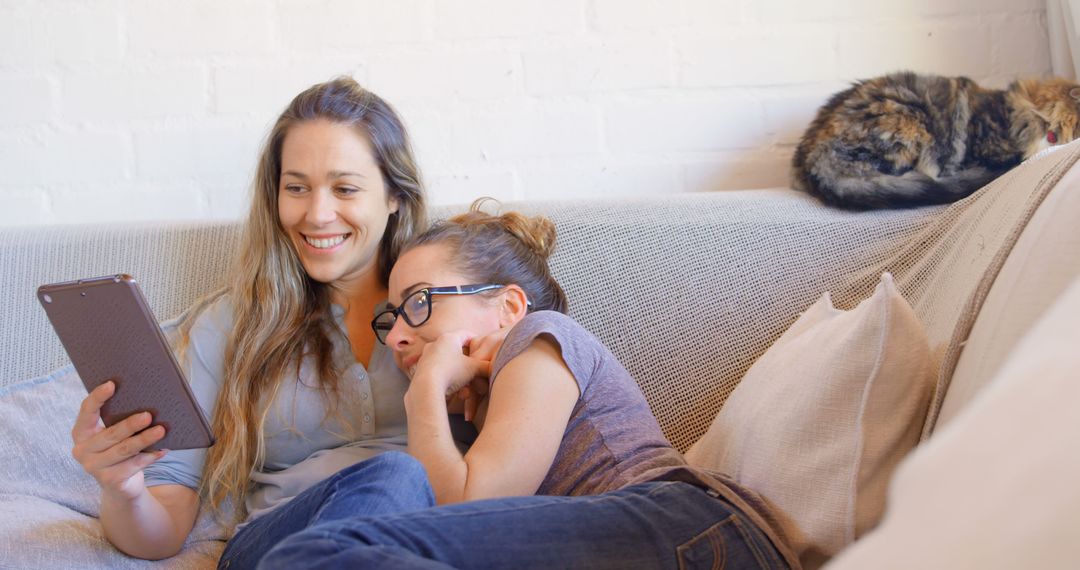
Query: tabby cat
(907, 140)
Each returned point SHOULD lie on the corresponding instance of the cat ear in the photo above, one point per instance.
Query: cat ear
(1075, 93)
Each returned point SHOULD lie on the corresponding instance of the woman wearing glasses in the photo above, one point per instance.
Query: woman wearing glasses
(283, 358)
(570, 468)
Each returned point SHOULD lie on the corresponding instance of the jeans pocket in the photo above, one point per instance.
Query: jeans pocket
(725, 544)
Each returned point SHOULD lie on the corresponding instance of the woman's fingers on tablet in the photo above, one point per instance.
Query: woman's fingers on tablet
(130, 426)
(114, 454)
(124, 450)
(133, 446)
(118, 432)
(88, 420)
(146, 458)
(117, 476)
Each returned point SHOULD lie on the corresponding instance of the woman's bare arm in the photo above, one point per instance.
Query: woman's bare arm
(152, 525)
(527, 412)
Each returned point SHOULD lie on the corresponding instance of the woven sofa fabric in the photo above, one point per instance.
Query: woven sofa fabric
(49, 505)
(173, 263)
(687, 290)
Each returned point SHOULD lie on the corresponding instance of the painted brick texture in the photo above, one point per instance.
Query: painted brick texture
(120, 110)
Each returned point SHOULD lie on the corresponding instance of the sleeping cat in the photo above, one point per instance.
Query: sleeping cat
(906, 140)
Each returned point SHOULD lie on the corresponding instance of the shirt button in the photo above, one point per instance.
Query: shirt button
(367, 419)
(363, 395)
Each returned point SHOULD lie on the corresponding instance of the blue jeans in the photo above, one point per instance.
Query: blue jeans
(652, 525)
(392, 482)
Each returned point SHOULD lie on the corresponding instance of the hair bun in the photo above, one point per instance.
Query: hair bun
(536, 232)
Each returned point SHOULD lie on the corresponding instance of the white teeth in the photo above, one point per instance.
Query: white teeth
(326, 242)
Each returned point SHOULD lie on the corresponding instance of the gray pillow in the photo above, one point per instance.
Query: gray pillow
(48, 504)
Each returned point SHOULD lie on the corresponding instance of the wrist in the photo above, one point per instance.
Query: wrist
(427, 382)
(424, 389)
(121, 498)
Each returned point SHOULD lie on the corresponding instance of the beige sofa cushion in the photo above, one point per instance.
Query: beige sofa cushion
(997, 486)
(1045, 259)
(819, 422)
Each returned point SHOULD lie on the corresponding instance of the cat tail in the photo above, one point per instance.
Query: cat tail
(909, 190)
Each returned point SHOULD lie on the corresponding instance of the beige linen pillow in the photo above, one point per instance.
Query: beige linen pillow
(820, 421)
(999, 486)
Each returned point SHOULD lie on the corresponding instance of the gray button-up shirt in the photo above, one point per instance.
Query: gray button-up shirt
(303, 444)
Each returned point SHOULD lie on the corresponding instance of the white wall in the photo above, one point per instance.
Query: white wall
(154, 109)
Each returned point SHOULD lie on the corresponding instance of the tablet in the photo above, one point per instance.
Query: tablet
(109, 333)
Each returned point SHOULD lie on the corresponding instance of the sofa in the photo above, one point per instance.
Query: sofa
(687, 290)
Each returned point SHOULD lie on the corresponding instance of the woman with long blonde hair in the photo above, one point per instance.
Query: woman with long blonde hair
(282, 358)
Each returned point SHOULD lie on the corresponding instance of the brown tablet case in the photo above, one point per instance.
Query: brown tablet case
(109, 332)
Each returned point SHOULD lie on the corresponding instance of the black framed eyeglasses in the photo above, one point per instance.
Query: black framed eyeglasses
(416, 308)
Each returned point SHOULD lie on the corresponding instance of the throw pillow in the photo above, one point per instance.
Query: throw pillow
(996, 488)
(820, 421)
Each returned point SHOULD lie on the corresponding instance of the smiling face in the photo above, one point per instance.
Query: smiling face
(479, 314)
(333, 202)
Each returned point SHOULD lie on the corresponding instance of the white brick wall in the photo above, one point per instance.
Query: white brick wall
(155, 109)
(110, 96)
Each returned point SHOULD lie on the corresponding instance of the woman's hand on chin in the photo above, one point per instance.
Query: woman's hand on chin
(444, 367)
(483, 348)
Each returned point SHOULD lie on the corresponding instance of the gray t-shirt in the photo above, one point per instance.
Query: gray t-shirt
(612, 439)
(303, 446)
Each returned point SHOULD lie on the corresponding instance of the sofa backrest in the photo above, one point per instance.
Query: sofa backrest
(173, 263)
(687, 290)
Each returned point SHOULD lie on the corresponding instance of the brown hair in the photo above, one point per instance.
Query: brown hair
(505, 249)
(280, 313)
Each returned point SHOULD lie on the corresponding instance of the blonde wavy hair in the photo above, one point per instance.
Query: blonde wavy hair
(280, 313)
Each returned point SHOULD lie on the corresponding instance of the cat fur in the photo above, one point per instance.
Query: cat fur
(907, 140)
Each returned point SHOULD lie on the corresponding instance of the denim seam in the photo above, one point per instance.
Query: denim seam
(766, 559)
(606, 497)
(749, 540)
(708, 535)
